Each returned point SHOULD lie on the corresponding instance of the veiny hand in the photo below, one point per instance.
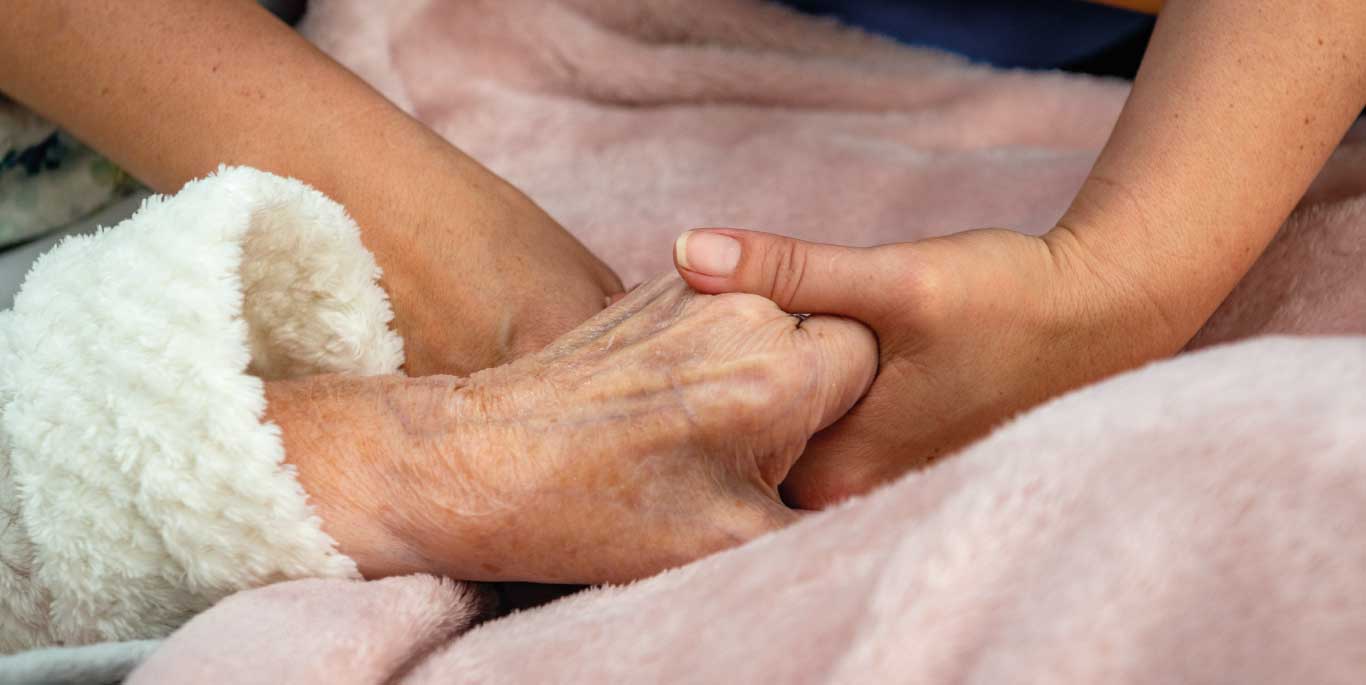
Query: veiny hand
(653, 434)
(971, 329)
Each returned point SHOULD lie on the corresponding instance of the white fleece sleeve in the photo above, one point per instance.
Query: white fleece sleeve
(138, 481)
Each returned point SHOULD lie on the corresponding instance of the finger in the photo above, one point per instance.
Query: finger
(617, 319)
(799, 276)
(844, 359)
(867, 448)
(836, 465)
(840, 357)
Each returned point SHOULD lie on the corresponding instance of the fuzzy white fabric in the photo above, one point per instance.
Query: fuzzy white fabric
(139, 483)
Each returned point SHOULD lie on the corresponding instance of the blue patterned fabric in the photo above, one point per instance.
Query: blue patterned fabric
(1036, 34)
(47, 178)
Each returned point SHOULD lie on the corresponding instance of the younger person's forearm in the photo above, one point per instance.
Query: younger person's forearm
(1235, 110)
(477, 273)
(171, 90)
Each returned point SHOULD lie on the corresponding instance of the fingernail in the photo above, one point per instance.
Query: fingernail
(707, 253)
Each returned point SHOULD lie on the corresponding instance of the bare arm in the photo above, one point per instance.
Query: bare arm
(1236, 108)
(170, 90)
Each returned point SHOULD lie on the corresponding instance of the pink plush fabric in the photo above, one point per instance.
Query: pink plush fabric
(301, 631)
(1197, 521)
(1193, 521)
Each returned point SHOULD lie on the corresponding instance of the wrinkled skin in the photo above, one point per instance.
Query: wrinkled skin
(653, 434)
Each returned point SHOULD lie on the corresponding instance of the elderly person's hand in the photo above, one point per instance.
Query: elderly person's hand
(653, 434)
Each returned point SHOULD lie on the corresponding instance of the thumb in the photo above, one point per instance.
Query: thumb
(812, 278)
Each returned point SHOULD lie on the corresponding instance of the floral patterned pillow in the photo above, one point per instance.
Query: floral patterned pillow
(47, 178)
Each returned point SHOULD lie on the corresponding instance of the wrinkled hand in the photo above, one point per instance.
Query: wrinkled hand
(653, 434)
(972, 328)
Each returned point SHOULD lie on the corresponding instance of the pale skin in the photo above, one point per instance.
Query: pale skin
(1237, 106)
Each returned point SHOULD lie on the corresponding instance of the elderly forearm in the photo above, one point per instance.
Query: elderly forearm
(1237, 106)
(350, 451)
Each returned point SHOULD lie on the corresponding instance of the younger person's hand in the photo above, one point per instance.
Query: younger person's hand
(972, 328)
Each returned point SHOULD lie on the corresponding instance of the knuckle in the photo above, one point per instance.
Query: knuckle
(752, 395)
(787, 263)
(749, 310)
(925, 294)
(756, 387)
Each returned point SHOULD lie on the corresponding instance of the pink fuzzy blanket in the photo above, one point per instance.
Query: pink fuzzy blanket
(1194, 521)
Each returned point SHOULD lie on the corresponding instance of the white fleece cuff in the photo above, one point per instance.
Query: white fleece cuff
(147, 482)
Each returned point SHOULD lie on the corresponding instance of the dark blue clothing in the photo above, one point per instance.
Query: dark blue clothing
(1037, 34)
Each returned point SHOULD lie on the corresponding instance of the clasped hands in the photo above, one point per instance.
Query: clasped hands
(696, 414)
